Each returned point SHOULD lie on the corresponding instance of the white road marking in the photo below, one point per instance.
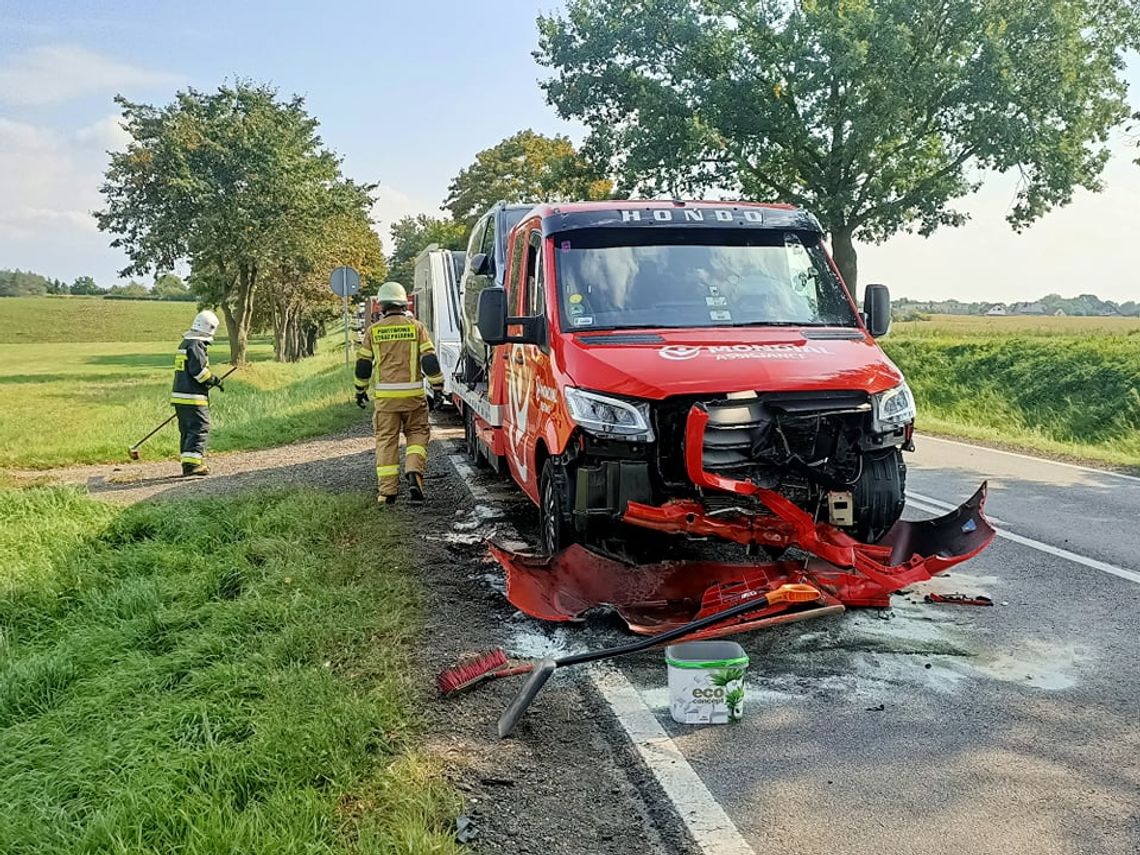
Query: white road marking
(706, 820)
(1107, 472)
(1103, 566)
(710, 826)
(467, 475)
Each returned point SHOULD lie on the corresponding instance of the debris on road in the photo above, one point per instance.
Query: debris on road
(959, 599)
(465, 829)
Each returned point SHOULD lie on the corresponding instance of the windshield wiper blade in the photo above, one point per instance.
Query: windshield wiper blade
(792, 324)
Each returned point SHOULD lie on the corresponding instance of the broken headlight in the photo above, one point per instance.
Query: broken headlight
(609, 417)
(894, 408)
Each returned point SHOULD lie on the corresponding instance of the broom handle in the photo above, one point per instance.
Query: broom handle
(173, 416)
(740, 608)
(790, 592)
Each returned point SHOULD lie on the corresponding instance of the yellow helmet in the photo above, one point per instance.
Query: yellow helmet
(392, 292)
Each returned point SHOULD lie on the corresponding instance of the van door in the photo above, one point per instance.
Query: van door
(528, 368)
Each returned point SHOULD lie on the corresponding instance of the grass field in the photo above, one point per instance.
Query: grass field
(1068, 386)
(209, 676)
(83, 379)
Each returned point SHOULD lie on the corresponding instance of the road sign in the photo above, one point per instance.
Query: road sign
(344, 281)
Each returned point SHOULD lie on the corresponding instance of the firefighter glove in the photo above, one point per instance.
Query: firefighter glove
(216, 383)
(361, 398)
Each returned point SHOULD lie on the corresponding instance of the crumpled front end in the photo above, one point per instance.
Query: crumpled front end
(652, 598)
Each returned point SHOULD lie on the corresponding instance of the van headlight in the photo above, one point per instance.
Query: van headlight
(893, 409)
(607, 417)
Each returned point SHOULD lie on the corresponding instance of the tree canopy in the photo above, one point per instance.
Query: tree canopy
(525, 167)
(85, 286)
(412, 235)
(236, 182)
(169, 286)
(21, 283)
(876, 115)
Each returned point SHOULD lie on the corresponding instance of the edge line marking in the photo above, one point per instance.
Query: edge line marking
(692, 802)
(1108, 472)
(711, 828)
(1056, 551)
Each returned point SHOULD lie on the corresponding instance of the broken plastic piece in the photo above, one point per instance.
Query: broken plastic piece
(959, 599)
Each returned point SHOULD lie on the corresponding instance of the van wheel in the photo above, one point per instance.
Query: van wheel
(555, 532)
(472, 441)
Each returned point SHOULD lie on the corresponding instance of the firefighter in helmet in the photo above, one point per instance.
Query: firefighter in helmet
(399, 352)
(190, 395)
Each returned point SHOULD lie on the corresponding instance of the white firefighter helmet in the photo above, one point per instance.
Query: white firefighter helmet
(204, 326)
(392, 293)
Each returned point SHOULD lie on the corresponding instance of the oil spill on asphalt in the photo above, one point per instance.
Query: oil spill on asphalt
(477, 517)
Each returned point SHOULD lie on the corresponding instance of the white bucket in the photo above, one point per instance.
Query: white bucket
(706, 681)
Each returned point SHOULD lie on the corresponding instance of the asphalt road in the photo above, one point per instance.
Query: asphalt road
(952, 729)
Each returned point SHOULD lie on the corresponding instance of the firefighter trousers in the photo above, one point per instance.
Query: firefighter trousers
(393, 416)
(193, 429)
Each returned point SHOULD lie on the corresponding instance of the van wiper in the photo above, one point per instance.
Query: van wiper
(784, 324)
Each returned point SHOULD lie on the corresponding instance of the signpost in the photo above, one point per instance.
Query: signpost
(344, 282)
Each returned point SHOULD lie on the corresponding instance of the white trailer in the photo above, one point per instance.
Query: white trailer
(436, 305)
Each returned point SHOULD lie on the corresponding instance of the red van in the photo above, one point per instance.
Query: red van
(696, 368)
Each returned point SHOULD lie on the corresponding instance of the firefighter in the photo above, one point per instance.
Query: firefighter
(399, 352)
(190, 396)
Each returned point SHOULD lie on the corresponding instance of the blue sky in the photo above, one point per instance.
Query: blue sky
(407, 93)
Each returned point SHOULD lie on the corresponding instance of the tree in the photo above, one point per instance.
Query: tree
(220, 180)
(19, 283)
(526, 167)
(170, 286)
(412, 235)
(84, 286)
(877, 115)
(133, 290)
(339, 232)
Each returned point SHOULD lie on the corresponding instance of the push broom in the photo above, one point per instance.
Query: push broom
(133, 451)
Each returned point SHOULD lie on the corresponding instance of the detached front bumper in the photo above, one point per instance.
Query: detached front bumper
(652, 598)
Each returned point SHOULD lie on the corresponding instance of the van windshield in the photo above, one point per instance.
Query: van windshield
(649, 277)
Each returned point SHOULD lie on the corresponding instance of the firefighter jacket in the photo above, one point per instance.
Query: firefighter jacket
(192, 375)
(391, 350)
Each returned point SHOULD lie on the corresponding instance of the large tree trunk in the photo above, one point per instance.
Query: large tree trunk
(238, 308)
(846, 259)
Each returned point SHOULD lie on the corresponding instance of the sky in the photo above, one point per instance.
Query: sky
(407, 93)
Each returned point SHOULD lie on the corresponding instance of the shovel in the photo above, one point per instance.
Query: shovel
(789, 593)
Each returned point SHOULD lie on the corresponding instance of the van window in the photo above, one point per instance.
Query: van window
(514, 285)
(488, 245)
(476, 239)
(535, 297)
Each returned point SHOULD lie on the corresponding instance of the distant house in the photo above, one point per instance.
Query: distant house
(1060, 313)
(996, 311)
(1030, 309)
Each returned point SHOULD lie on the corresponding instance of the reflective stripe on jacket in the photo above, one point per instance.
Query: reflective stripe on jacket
(390, 354)
(191, 374)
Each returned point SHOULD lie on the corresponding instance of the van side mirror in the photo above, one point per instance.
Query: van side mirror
(877, 310)
(481, 264)
(491, 313)
(496, 328)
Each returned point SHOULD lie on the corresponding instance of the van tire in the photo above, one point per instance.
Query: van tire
(555, 531)
(474, 455)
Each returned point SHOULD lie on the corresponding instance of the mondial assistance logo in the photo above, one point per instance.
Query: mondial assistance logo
(679, 352)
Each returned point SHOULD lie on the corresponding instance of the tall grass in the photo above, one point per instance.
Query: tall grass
(79, 395)
(210, 676)
(1062, 392)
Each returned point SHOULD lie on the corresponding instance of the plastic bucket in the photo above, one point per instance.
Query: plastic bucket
(706, 681)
